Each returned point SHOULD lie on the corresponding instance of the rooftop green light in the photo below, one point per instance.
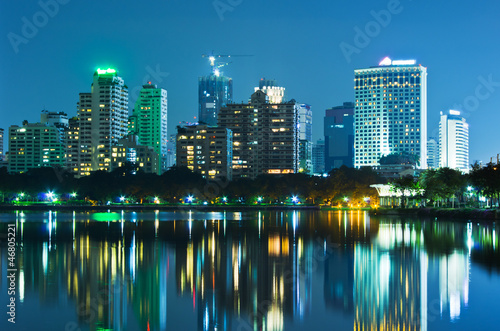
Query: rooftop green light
(105, 71)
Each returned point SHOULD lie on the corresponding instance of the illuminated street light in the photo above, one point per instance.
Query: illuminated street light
(156, 200)
(259, 199)
(346, 199)
(295, 199)
(122, 198)
(190, 198)
(73, 195)
(224, 199)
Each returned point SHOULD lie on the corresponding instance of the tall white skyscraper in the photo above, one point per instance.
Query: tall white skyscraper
(149, 122)
(102, 121)
(454, 141)
(390, 113)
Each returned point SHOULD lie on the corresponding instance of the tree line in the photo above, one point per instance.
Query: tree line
(344, 186)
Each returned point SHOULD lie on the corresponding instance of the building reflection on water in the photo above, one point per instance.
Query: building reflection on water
(252, 272)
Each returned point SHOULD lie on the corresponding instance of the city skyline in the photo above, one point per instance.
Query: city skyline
(333, 39)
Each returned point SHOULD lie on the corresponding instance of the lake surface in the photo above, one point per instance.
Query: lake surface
(250, 270)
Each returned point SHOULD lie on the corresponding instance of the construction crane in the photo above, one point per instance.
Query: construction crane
(216, 64)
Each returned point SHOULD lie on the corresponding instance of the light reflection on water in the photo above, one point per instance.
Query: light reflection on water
(265, 270)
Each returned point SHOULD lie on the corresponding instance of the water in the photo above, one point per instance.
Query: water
(268, 270)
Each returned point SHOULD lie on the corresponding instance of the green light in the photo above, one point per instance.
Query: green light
(106, 217)
(106, 71)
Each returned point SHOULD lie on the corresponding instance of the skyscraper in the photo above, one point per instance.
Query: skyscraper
(390, 114)
(102, 120)
(214, 91)
(339, 136)
(305, 139)
(265, 136)
(432, 153)
(454, 141)
(149, 122)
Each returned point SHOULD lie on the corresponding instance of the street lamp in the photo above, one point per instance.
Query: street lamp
(122, 198)
(295, 199)
(259, 199)
(190, 198)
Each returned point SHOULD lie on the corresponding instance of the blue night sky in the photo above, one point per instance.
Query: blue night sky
(295, 42)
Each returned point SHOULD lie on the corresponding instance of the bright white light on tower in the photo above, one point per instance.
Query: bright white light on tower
(454, 112)
(217, 72)
(385, 62)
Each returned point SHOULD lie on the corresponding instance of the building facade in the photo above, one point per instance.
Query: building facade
(275, 93)
(339, 136)
(305, 139)
(171, 150)
(390, 113)
(35, 145)
(432, 153)
(128, 150)
(214, 91)
(318, 157)
(102, 121)
(206, 150)
(454, 141)
(73, 145)
(149, 122)
(265, 136)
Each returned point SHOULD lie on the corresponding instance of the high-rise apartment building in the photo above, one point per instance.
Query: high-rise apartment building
(35, 145)
(265, 136)
(454, 141)
(390, 113)
(318, 157)
(432, 153)
(214, 91)
(339, 136)
(129, 150)
(149, 122)
(102, 120)
(206, 150)
(2, 155)
(305, 139)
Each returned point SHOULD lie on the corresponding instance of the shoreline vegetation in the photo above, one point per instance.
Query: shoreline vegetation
(441, 193)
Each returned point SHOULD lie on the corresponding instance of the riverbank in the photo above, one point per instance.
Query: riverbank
(452, 213)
